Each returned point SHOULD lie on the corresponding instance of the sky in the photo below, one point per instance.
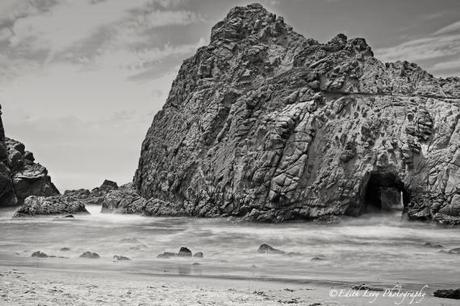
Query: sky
(80, 80)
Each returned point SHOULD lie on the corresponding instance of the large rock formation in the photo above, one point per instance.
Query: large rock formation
(265, 124)
(20, 176)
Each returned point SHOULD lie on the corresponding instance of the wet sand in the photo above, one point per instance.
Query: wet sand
(41, 286)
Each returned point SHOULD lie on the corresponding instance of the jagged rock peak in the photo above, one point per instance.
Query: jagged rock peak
(243, 21)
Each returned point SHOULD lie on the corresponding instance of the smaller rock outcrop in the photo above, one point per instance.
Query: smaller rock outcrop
(95, 196)
(55, 205)
(71, 202)
(20, 176)
(126, 200)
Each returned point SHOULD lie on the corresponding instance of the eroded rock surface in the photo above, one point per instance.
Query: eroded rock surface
(54, 205)
(267, 125)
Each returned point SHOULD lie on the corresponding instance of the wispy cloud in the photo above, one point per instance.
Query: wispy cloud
(439, 52)
(81, 31)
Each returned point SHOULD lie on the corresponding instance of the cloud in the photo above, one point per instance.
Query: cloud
(82, 29)
(454, 27)
(438, 52)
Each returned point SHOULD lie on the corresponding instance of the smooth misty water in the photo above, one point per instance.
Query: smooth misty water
(375, 249)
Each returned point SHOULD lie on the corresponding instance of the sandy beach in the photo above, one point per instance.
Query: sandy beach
(37, 286)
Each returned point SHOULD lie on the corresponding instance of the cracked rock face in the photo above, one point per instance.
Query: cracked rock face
(267, 125)
(20, 176)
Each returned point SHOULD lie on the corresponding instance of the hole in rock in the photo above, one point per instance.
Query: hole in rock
(385, 192)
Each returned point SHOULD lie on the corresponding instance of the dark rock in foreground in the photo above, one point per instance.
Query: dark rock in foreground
(448, 293)
(90, 255)
(268, 249)
(267, 125)
(55, 205)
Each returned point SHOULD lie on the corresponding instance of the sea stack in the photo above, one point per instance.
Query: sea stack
(20, 176)
(268, 125)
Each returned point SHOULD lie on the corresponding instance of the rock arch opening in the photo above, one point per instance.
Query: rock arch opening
(384, 192)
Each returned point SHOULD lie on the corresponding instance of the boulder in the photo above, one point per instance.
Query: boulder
(120, 258)
(90, 255)
(268, 249)
(184, 252)
(454, 251)
(198, 254)
(266, 125)
(39, 254)
(55, 205)
(433, 245)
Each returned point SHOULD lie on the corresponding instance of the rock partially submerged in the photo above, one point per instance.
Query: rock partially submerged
(454, 251)
(265, 124)
(268, 249)
(55, 205)
(90, 255)
(39, 254)
(433, 245)
(183, 252)
(121, 258)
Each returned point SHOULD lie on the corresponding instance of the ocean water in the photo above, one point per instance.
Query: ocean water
(376, 249)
